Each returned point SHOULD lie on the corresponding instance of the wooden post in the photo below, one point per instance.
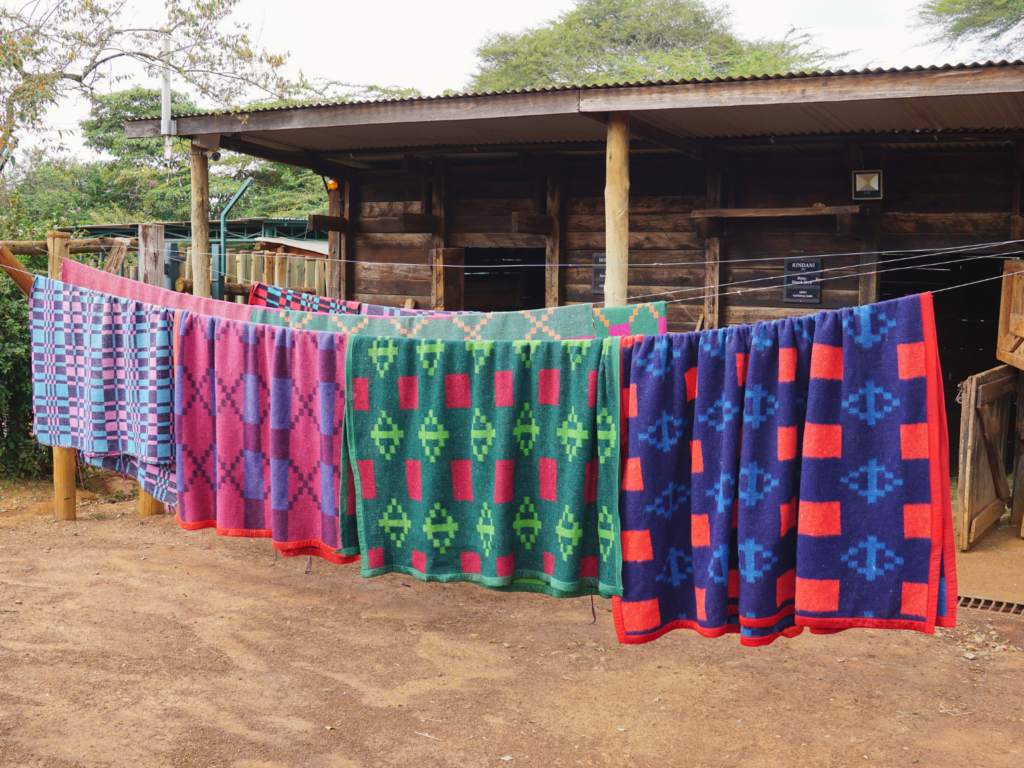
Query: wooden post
(712, 256)
(553, 249)
(151, 272)
(281, 268)
(616, 210)
(63, 458)
(336, 287)
(447, 288)
(439, 202)
(201, 222)
(869, 283)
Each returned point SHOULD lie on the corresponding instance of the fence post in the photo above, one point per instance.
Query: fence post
(151, 272)
(57, 249)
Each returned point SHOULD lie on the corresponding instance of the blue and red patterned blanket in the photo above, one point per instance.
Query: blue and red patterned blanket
(787, 475)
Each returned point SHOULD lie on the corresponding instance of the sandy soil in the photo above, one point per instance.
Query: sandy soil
(127, 641)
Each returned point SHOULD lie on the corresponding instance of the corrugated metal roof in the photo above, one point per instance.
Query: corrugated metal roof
(605, 86)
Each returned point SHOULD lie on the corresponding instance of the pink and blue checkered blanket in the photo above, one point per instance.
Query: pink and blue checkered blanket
(787, 475)
(102, 380)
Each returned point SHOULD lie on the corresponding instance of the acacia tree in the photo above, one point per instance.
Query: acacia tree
(52, 49)
(996, 27)
(602, 41)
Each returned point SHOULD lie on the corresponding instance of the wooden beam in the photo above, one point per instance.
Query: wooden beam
(201, 261)
(644, 131)
(761, 213)
(870, 285)
(349, 206)
(15, 270)
(64, 459)
(116, 256)
(447, 284)
(553, 249)
(315, 223)
(299, 158)
(336, 287)
(616, 207)
(532, 224)
(439, 204)
(712, 255)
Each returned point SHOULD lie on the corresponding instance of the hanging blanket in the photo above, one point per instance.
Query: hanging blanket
(258, 416)
(101, 379)
(94, 279)
(158, 480)
(379, 310)
(490, 462)
(786, 475)
(263, 295)
(575, 322)
(631, 320)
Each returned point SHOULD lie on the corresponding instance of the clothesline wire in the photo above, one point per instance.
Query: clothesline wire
(846, 274)
(849, 271)
(631, 266)
(875, 272)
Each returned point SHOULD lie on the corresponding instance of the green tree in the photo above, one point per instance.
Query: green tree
(603, 41)
(996, 27)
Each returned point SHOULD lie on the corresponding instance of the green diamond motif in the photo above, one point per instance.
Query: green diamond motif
(525, 350)
(440, 528)
(578, 349)
(569, 533)
(526, 429)
(432, 348)
(395, 522)
(481, 351)
(605, 435)
(606, 532)
(573, 434)
(433, 436)
(485, 527)
(386, 435)
(527, 524)
(383, 354)
(482, 435)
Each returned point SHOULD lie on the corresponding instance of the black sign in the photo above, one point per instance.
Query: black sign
(802, 281)
(597, 279)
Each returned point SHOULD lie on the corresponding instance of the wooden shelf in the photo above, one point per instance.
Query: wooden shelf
(759, 213)
(403, 223)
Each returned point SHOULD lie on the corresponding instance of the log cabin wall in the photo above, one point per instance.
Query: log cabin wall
(391, 268)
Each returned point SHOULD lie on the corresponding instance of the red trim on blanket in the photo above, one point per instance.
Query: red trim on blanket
(240, 532)
(314, 548)
(768, 621)
(855, 622)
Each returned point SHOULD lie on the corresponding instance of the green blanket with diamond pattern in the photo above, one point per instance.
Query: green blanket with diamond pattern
(494, 462)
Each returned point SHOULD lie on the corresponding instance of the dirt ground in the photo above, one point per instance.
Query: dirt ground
(128, 641)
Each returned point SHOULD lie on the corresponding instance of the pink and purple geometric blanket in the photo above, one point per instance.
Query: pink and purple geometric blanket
(787, 475)
(258, 424)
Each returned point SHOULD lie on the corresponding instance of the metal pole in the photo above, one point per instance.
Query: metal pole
(166, 125)
(219, 261)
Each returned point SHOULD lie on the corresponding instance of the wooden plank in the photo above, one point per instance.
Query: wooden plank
(748, 315)
(16, 270)
(638, 222)
(448, 278)
(480, 240)
(646, 131)
(336, 287)
(763, 213)
(996, 389)
(1009, 304)
(390, 299)
(201, 259)
(668, 241)
(481, 224)
(989, 434)
(439, 205)
(317, 223)
(116, 256)
(995, 226)
(531, 224)
(987, 519)
(594, 206)
(870, 278)
(553, 248)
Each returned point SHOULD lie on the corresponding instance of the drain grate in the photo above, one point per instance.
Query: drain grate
(987, 604)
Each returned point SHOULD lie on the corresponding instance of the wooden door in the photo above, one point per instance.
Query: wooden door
(983, 492)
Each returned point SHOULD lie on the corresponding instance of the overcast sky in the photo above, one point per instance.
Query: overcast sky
(430, 46)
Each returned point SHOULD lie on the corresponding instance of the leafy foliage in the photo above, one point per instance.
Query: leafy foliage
(604, 41)
(995, 26)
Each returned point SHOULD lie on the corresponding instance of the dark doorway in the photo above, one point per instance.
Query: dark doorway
(966, 319)
(504, 279)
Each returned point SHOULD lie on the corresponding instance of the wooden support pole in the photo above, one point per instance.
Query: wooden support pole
(712, 255)
(63, 458)
(439, 204)
(447, 290)
(15, 270)
(151, 272)
(553, 249)
(201, 221)
(336, 287)
(616, 210)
